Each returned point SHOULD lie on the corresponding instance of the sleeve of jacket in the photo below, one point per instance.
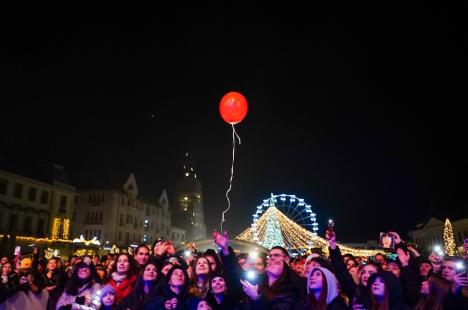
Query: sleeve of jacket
(344, 277)
(411, 286)
(232, 272)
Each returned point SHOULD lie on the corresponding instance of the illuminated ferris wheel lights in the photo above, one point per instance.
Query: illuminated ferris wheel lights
(283, 199)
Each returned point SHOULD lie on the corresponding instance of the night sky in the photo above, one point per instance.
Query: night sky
(358, 110)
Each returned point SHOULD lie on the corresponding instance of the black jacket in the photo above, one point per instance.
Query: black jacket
(9, 288)
(157, 302)
(232, 276)
(395, 291)
(337, 304)
(285, 299)
(358, 293)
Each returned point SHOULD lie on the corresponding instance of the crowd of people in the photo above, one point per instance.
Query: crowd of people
(160, 278)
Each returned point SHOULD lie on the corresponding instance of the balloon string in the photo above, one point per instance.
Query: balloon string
(234, 135)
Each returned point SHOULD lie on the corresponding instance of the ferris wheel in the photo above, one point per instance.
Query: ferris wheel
(293, 207)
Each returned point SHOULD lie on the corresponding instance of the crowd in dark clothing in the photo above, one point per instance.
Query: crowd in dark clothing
(160, 278)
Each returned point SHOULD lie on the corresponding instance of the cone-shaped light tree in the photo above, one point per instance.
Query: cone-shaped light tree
(449, 240)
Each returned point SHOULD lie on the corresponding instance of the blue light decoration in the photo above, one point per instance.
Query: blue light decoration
(295, 208)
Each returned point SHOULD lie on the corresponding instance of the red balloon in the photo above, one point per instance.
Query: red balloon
(233, 107)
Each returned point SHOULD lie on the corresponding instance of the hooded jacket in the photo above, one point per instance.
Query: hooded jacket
(393, 285)
(333, 300)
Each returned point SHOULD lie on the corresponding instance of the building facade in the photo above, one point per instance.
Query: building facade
(119, 217)
(39, 207)
(188, 207)
(431, 233)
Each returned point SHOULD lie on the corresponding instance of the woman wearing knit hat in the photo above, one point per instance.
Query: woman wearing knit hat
(108, 298)
(322, 291)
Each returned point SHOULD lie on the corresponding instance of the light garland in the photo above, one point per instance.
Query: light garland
(48, 253)
(66, 229)
(56, 228)
(295, 237)
(449, 240)
(297, 209)
(273, 236)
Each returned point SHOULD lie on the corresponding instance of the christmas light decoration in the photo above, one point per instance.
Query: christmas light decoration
(66, 229)
(81, 239)
(56, 228)
(40, 240)
(273, 236)
(449, 240)
(293, 207)
(48, 253)
(295, 237)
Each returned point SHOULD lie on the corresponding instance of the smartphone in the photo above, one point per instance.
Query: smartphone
(330, 227)
(251, 276)
(387, 240)
(461, 269)
(17, 250)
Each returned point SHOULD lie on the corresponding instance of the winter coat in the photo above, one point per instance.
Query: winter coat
(158, 302)
(336, 304)
(58, 280)
(392, 283)
(123, 288)
(89, 290)
(234, 294)
(8, 287)
(284, 299)
(358, 293)
(333, 300)
(137, 300)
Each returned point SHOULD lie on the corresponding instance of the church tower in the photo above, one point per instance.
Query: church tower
(188, 213)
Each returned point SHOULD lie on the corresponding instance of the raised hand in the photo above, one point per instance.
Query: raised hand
(250, 290)
(460, 280)
(403, 257)
(222, 241)
(396, 237)
(413, 250)
(331, 237)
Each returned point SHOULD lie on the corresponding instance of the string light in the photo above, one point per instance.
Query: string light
(66, 229)
(56, 228)
(39, 240)
(449, 240)
(273, 236)
(295, 237)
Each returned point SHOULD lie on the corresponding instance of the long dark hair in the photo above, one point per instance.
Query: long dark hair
(271, 291)
(76, 283)
(385, 303)
(439, 287)
(219, 266)
(155, 287)
(194, 273)
(321, 303)
(133, 268)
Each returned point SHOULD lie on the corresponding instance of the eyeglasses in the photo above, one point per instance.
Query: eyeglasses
(275, 255)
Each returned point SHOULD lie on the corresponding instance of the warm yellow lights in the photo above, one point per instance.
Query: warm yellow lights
(56, 228)
(295, 237)
(449, 240)
(66, 229)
